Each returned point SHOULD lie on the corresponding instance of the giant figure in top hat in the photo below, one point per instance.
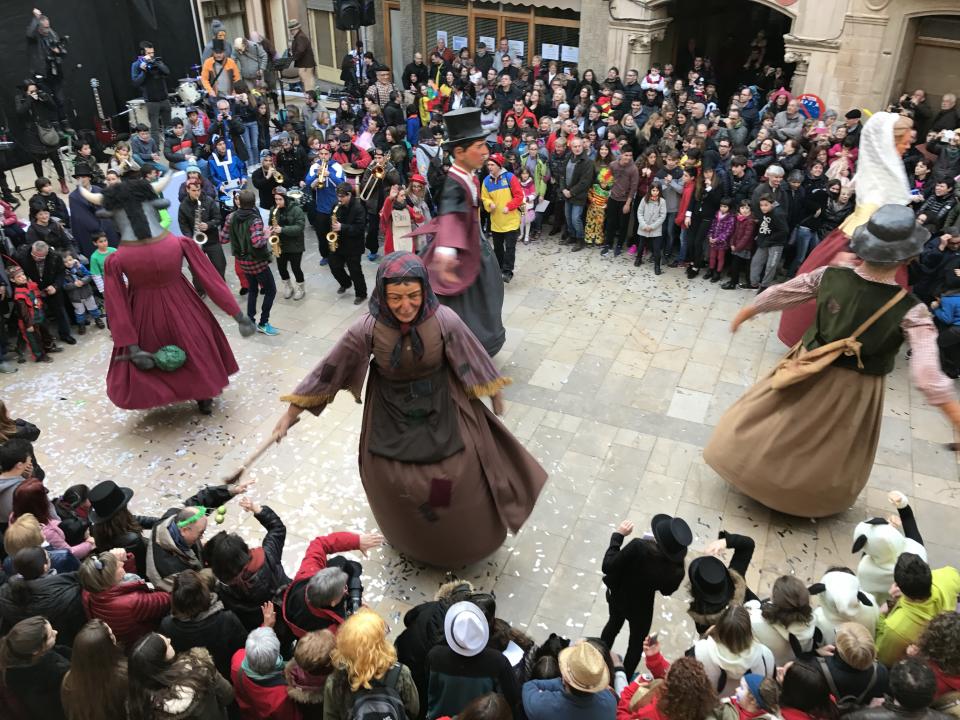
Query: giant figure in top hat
(463, 270)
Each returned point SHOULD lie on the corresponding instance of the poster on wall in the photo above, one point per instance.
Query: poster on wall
(569, 54)
(459, 42)
(442, 35)
(515, 48)
(549, 51)
(488, 41)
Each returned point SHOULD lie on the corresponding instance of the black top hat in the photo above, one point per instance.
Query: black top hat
(710, 580)
(891, 235)
(106, 499)
(82, 169)
(463, 125)
(672, 534)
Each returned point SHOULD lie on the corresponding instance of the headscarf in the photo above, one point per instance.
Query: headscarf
(881, 178)
(402, 267)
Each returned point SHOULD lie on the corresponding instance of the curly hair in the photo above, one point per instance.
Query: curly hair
(363, 651)
(688, 693)
(940, 642)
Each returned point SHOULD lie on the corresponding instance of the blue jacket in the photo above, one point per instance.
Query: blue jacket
(326, 195)
(547, 700)
(949, 310)
(230, 169)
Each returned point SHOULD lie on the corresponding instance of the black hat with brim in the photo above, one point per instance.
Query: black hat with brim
(106, 500)
(710, 580)
(891, 235)
(672, 534)
(463, 126)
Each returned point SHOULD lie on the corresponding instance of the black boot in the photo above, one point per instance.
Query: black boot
(638, 260)
(205, 406)
(730, 284)
(656, 267)
(578, 247)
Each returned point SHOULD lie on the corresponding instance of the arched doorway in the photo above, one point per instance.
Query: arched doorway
(723, 30)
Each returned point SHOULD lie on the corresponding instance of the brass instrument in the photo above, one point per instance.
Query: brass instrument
(333, 237)
(277, 176)
(375, 176)
(200, 238)
(274, 239)
(321, 179)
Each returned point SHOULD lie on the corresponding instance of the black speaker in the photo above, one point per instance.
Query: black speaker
(347, 14)
(369, 13)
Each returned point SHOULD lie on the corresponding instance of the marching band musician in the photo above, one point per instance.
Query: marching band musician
(322, 180)
(209, 225)
(375, 184)
(288, 223)
(348, 220)
(268, 178)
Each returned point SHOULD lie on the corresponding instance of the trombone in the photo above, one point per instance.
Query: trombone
(375, 176)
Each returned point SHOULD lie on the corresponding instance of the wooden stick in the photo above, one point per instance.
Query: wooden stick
(248, 463)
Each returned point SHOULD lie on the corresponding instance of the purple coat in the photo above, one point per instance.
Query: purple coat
(721, 228)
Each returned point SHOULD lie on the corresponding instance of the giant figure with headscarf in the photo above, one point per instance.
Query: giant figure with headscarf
(444, 478)
(152, 307)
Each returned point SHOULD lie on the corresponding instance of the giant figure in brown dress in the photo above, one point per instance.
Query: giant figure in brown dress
(444, 478)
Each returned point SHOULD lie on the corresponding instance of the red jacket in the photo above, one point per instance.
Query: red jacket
(131, 609)
(357, 157)
(9, 216)
(525, 115)
(649, 711)
(261, 699)
(313, 561)
(945, 683)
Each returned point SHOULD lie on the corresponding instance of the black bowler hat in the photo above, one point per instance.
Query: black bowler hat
(710, 580)
(891, 235)
(106, 499)
(672, 534)
(463, 125)
(82, 169)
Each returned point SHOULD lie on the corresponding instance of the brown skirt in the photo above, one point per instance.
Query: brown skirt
(805, 450)
(493, 486)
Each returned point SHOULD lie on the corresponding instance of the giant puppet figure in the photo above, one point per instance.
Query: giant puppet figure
(463, 270)
(152, 306)
(444, 478)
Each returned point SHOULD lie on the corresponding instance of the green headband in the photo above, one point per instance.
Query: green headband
(201, 512)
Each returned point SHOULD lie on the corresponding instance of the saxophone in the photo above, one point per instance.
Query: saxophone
(200, 238)
(274, 239)
(333, 238)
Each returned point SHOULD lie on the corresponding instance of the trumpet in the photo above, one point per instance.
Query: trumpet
(333, 237)
(274, 239)
(375, 176)
(200, 238)
(321, 179)
(277, 177)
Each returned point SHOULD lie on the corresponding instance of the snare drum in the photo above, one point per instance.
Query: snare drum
(138, 112)
(188, 92)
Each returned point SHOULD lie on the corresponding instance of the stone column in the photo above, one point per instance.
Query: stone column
(620, 33)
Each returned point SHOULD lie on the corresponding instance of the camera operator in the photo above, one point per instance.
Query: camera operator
(226, 124)
(149, 73)
(39, 113)
(326, 591)
(45, 53)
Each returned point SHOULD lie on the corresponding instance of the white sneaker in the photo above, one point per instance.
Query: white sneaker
(298, 291)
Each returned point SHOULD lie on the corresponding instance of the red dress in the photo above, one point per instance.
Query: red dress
(158, 306)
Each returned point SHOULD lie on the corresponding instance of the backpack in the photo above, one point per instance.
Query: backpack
(847, 703)
(436, 173)
(382, 701)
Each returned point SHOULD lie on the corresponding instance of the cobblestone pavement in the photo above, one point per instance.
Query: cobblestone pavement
(618, 376)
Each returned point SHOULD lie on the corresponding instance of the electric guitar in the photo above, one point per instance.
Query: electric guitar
(102, 125)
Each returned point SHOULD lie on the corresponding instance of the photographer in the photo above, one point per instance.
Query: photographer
(149, 73)
(45, 53)
(325, 591)
(226, 124)
(41, 138)
(918, 107)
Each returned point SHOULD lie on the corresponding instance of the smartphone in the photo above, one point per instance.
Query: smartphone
(653, 638)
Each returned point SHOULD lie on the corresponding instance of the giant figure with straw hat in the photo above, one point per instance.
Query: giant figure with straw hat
(464, 271)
